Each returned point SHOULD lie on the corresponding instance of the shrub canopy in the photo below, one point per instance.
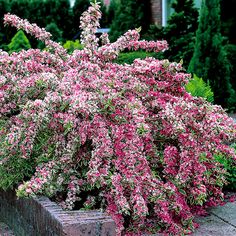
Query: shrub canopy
(125, 138)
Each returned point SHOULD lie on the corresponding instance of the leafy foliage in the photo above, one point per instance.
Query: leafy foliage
(210, 60)
(198, 88)
(4, 32)
(230, 166)
(5, 7)
(125, 138)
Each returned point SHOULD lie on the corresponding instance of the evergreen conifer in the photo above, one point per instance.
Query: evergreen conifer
(180, 31)
(19, 42)
(210, 60)
(228, 20)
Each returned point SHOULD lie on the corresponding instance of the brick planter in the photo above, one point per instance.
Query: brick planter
(41, 217)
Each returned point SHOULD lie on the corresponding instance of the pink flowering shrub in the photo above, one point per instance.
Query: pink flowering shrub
(94, 134)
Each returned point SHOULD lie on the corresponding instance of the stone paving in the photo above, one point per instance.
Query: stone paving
(5, 231)
(221, 221)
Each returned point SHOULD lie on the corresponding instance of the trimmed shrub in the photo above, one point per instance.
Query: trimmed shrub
(19, 42)
(126, 138)
(129, 57)
(70, 46)
(198, 88)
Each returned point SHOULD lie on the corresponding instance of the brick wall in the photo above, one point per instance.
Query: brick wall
(41, 217)
(156, 6)
(106, 2)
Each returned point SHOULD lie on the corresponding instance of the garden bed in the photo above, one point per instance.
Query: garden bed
(40, 216)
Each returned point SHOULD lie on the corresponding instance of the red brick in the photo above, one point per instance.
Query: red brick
(156, 6)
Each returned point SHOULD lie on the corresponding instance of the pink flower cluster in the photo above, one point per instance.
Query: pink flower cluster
(34, 30)
(130, 132)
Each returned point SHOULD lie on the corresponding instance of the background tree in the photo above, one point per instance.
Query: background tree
(64, 18)
(55, 31)
(209, 60)
(79, 7)
(228, 20)
(19, 42)
(111, 9)
(50, 10)
(231, 55)
(105, 21)
(4, 8)
(228, 31)
(37, 12)
(130, 14)
(180, 31)
(21, 8)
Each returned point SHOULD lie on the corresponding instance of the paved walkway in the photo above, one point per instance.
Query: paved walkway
(221, 221)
